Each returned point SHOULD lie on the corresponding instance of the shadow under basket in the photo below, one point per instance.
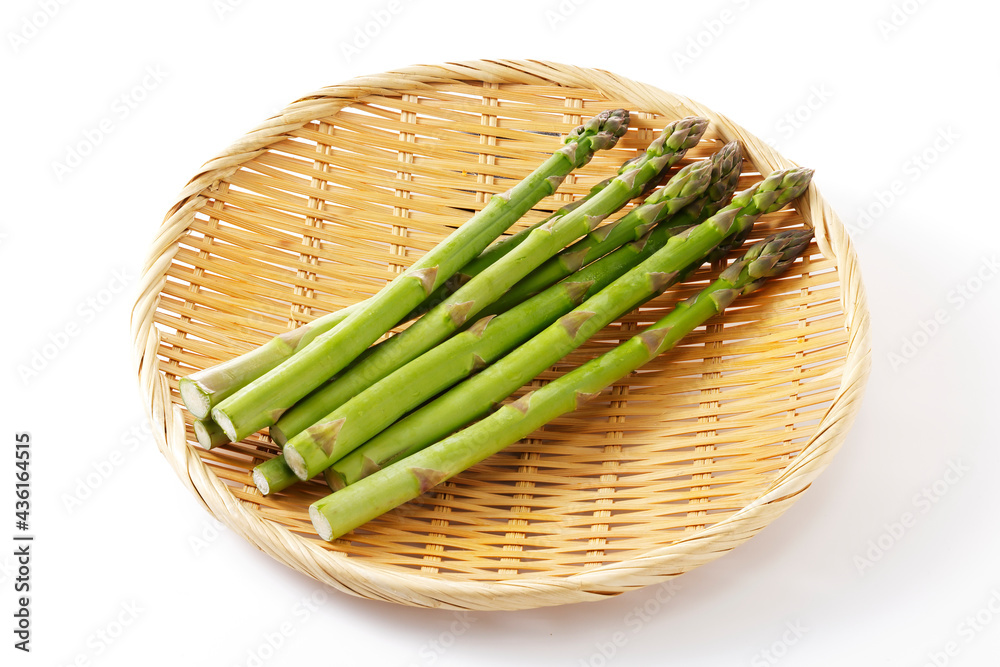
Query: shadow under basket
(321, 205)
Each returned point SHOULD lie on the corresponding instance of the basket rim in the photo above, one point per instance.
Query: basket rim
(377, 581)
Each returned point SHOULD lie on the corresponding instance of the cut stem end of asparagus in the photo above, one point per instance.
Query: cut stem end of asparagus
(260, 481)
(295, 461)
(209, 434)
(195, 398)
(225, 423)
(320, 523)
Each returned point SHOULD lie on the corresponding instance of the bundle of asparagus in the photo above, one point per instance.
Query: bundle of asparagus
(262, 401)
(678, 255)
(501, 311)
(385, 489)
(374, 409)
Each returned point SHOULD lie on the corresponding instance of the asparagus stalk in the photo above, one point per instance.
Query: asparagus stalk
(687, 185)
(363, 460)
(605, 239)
(450, 315)
(333, 435)
(341, 512)
(505, 244)
(209, 434)
(474, 397)
(261, 402)
(659, 206)
(203, 390)
(273, 475)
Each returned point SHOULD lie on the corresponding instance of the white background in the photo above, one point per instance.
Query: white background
(908, 105)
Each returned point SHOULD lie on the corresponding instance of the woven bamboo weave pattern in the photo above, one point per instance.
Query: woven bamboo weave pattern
(321, 205)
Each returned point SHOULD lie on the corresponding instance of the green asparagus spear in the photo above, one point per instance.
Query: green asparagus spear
(261, 402)
(450, 315)
(335, 434)
(474, 397)
(685, 187)
(209, 434)
(203, 390)
(273, 475)
(505, 244)
(345, 510)
(601, 241)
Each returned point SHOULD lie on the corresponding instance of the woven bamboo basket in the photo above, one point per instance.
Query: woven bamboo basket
(672, 467)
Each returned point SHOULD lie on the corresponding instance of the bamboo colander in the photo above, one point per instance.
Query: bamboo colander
(323, 203)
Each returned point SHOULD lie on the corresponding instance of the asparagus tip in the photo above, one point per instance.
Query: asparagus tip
(680, 134)
(613, 121)
(320, 523)
(605, 128)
